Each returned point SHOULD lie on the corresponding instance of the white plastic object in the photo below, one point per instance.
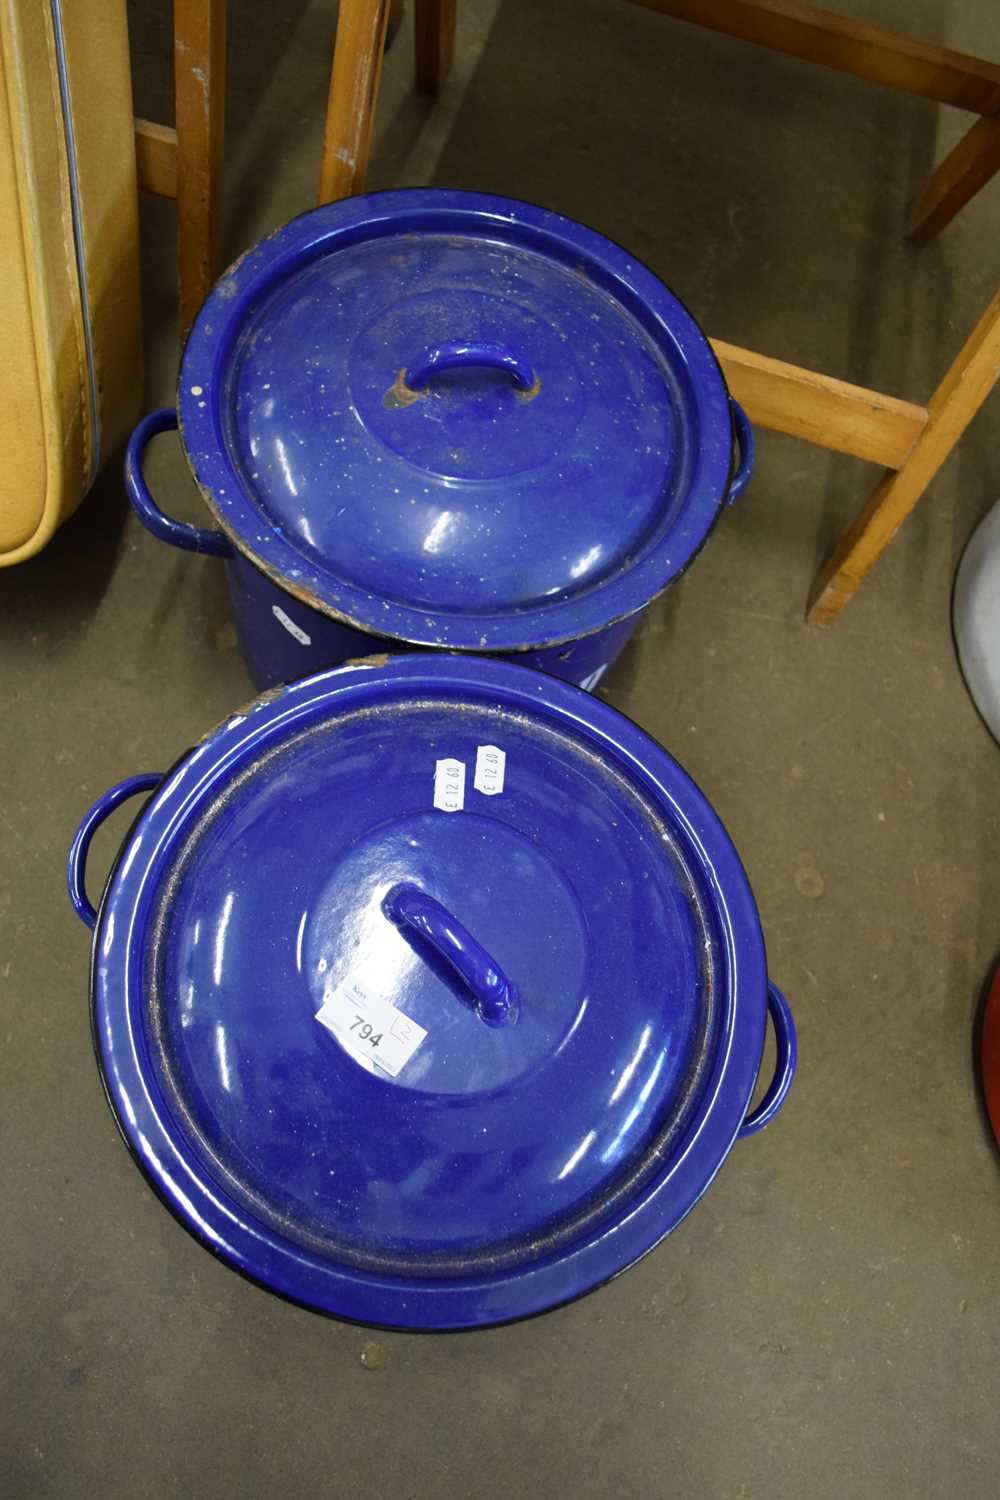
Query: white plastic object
(976, 618)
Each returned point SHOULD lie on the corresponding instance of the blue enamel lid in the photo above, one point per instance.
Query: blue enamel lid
(456, 419)
(429, 993)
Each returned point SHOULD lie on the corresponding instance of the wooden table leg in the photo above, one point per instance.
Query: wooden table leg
(350, 113)
(434, 39)
(949, 412)
(867, 51)
(963, 172)
(852, 46)
(200, 90)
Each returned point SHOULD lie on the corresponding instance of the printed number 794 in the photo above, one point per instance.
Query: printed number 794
(366, 1030)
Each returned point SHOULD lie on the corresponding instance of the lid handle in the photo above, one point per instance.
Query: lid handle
(496, 998)
(460, 354)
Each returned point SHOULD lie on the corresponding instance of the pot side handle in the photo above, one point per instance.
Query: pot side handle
(76, 867)
(176, 533)
(784, 1069)
(743, 435)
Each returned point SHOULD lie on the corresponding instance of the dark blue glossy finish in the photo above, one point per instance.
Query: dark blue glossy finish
(455, 420)
(787, 1046)
(282, 638)
(460, 354)
(76, 868)
(470, 513)
(746, 446)
(413, 910)
(505, 1168)
(163, 527)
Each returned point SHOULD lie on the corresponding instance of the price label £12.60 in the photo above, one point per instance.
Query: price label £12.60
(449, 785)
(491, 764)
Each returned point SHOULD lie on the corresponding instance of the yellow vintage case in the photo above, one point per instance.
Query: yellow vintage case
(71, 361)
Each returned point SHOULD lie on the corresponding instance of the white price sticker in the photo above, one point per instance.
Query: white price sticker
(491, 762)
(589, 683)
(290, 625)
(449, 785)
(370, 1028)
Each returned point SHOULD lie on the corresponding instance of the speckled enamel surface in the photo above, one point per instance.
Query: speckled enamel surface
(466, 508)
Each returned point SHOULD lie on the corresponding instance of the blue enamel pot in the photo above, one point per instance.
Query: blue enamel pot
(429, 992)
(442, 419)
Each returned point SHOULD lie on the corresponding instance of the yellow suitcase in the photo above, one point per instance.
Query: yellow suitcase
(70, 371)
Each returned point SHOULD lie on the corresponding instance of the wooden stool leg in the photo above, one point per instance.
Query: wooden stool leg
(949, 412)
(350, 112)
(397, 11)
(200, 91)
(959, 177)
(434, 36)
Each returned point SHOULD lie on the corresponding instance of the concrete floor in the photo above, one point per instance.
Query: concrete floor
(825, 1323)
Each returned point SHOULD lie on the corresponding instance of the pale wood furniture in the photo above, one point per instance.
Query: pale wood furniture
(186, 162)
(354, 80)
(881, 56)
(909, 441)
(350, 111)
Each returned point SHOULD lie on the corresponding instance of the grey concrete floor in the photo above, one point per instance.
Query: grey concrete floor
(825, 1323)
